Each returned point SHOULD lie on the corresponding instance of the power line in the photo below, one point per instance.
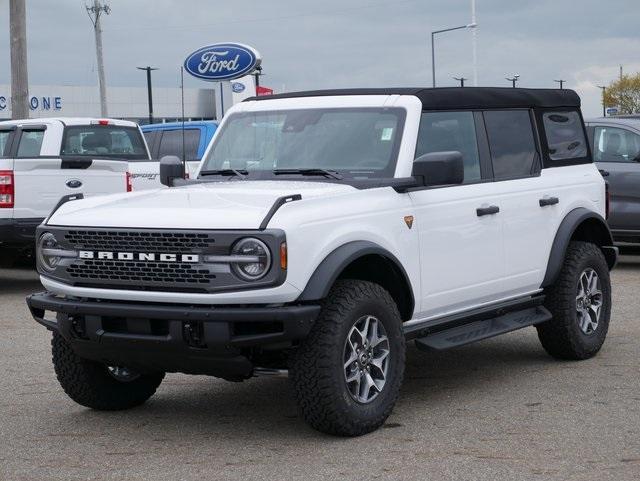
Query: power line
(95, 12)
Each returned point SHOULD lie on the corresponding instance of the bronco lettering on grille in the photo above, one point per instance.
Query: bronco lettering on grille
(139, 256)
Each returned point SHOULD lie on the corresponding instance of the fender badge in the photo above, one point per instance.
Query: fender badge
(408, 219)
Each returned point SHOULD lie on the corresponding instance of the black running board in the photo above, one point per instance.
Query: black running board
(484, 329)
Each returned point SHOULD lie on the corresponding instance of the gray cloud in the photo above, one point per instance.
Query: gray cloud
(340, 44)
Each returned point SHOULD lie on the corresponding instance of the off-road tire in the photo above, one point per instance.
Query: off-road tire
(562, 337)
(89, 383)
(317, 366)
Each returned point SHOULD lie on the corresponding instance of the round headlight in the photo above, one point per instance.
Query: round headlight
(47, 251)
(257, 262)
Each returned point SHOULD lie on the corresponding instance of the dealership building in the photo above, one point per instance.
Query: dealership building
(122, 102)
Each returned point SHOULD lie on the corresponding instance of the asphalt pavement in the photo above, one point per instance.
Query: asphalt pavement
(498, 409)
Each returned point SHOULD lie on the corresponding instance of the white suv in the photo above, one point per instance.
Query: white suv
(325, 230)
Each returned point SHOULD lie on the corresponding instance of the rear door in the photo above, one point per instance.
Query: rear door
(42, 176)
(616, 150)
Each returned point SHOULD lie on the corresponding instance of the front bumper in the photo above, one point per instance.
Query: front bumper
(19, 232)
(162, 337)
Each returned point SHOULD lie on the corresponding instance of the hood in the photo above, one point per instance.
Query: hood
(215, 205)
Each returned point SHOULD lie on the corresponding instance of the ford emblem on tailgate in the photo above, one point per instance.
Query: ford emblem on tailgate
(74, 184)
(222, 61)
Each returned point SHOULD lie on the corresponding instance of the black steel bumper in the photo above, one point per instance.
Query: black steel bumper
(166, 337)
(19, 232)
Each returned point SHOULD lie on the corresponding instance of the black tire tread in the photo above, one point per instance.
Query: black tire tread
(89, 384)
(314, 385)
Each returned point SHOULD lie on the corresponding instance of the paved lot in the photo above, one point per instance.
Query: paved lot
(499, 409)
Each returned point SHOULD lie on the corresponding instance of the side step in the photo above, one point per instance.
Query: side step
(478, 330)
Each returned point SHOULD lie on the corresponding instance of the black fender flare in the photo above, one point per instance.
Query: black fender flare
(335, 263)
(567, 229)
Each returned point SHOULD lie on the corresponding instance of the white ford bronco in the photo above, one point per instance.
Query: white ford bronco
(325, 230)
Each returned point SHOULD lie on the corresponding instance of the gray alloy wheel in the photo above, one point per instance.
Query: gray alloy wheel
(366, 359)
(589, 300)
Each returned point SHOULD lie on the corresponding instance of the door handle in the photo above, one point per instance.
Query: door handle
(545, 201)
(492, 209)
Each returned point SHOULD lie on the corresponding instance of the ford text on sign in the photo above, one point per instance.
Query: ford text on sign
(222, 61)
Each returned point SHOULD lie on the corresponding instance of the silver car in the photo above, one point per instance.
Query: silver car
(615, 142)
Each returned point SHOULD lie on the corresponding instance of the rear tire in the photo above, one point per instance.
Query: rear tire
(91, 384)
(357, 340)
(580, 301)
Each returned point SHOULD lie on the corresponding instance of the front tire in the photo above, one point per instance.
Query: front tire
(97, 386)
(347, 373)
(580, 301)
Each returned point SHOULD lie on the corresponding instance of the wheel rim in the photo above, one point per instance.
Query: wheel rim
(366, 359)
(122, 374)
(589, 301)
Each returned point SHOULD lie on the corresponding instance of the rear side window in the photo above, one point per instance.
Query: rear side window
(5, 136)
(615, 145)
(150, 137)
(511, 142)
(30, 143)
(443, 131)
(103, 141)
(171, 143)
(564, 135)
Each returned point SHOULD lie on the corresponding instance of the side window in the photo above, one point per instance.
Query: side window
(150, 138)
(5, 135)
(30, 143)
(171, 143)
(565, 135)
(511, 142)
(615, 145)
(442, 131)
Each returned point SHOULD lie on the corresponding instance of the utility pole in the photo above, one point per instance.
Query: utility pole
(149, 95)
(561, 82)
(604, 91)
(19, 75)
(513, 80)
(474, 43)
(95, 12)
(461, 80)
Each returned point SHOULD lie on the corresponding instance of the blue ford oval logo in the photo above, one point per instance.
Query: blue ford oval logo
(74, 184)
(237, 87)
(222, 61)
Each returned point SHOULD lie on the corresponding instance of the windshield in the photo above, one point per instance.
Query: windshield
(103, 141)
(354, 142)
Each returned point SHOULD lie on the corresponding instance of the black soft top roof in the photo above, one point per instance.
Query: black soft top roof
(444, 98)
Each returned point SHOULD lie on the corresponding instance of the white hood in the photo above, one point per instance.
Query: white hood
(215, 205)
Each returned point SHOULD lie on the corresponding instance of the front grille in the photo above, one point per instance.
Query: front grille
(125, 241)
(136, 271)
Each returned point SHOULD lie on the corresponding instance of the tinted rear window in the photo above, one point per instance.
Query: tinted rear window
(171, 143)
(103, 141)
(565, 135)
(30, 143)
(5, 135)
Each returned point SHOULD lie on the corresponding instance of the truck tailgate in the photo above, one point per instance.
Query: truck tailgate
(41, 182)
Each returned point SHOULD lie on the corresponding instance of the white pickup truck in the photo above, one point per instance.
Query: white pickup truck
(43, 160)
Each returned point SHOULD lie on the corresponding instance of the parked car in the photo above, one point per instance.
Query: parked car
(325, 230)
(42, 160)
(166, 139)
(615, 143)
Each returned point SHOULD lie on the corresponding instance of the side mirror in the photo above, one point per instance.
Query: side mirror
(439, 168)
(171, 167)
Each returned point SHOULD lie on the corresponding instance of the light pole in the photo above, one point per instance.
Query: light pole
(150, 97)
(461, 80)
(513, 80)
(433, 50)
(604, 91)
(561, 82)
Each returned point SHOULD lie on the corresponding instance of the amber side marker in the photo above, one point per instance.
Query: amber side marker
(408, 219)
(283, 256)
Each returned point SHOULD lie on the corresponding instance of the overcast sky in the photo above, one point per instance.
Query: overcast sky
(338, 43)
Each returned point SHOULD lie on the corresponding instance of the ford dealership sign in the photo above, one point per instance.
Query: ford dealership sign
(222, 61)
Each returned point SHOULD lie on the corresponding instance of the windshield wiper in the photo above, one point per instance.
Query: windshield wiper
(327, 173)
(238, 173)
